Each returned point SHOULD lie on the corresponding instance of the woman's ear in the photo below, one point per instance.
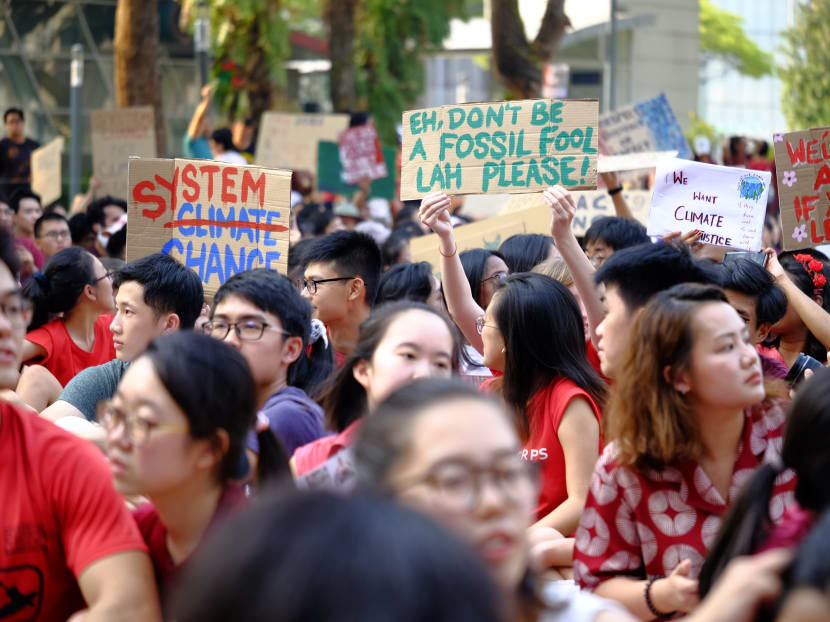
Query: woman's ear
(213, 450)
(679, 382)
(292, 348)
(362, 373)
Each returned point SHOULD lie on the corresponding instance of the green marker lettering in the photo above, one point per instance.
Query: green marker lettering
(562, 141)
(429, 120)
(503, 182)
(467, 140)
(482, 145)
(449, 175)
(539, 115)
(546, 138)
(456, 117)
(419, 180)
(520, 150)
(418, 149)
(446, 137)
(589, 136)
(495, 116)
(533, 175)
(415, 123)
(556, 112)
(514, 108)
(475, 118)
(516, 173)
(491, 169)
(566, 170)
(498, 149)
(437, 177)
(551, 174)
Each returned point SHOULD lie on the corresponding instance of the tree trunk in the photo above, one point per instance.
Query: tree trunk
(340, 15)
(520, 62)
(137, 75)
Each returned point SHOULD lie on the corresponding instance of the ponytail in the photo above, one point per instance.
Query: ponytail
(60, 285)
(313, 367)
(744, 528)
(272, 462)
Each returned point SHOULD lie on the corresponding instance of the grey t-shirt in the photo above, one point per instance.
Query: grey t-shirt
(93, 385)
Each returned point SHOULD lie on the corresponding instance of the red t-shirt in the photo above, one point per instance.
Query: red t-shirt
(310, 456)
(544, 412)
(59, 513)
(642, 523)
(64, 358)
(155, 534)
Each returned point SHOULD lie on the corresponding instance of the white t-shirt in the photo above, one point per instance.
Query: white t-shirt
(231, 157)
(570, 604)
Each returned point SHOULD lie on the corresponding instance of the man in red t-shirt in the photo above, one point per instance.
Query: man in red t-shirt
(68, 542)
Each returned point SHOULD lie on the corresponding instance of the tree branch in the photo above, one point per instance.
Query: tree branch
(550, 32)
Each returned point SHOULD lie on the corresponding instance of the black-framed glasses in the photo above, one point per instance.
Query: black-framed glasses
(480, 324)
(498, 276)
(108, 275)
(17, 308)
(246, 330)
(57, 235)
(137, 429)
(457, 484)
(311, 284)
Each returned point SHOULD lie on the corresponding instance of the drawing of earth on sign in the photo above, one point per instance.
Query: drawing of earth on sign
(751, 187)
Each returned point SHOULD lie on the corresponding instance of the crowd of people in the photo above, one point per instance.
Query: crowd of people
(603, 429)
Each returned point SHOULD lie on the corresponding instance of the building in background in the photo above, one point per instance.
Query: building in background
(736, 104)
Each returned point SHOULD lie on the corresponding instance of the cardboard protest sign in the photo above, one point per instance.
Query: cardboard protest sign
(632, 161)
(360, 154)
(329, 168)
(218, 219)
(289, 141)
(647, 126)
(46, 171)
(727, 204)
(802, 162)
(117, 135)
(499, 147)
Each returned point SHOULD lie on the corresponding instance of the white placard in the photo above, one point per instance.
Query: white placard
(632, 161)
(726, 204)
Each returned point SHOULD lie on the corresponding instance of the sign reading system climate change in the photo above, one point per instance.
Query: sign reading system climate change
(513, 147)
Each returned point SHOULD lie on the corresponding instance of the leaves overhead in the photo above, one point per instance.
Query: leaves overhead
(722, 36)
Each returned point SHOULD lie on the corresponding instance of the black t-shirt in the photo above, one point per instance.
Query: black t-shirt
(15, 160)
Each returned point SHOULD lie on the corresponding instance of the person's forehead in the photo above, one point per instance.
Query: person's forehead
(320, 269)
(236, 306)
(131, 292)
(54, 225)
(8, 284)
(29, 203)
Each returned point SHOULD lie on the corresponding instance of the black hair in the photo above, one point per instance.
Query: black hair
(212, 384)
(641, 271)
(804, 281)
(95, 212)
(407, 213)
(315, 224)
(224, 137)
(46, 218)
(169, 287)
(524, 251)
(20, 194)
(352, 254)
(393, 247)
(384, 438)
(273, 293)
(80, 228)
(13, 110)
(734, 141)
(751, 279)
(345, 401)
(528, 307)
(410, 228)
(811, 566)
(406, 281)
(763, 148)
(474, 262)
(8, 252)
(117, 243)
(806, 452)
(283, 570)
(296, 265)
(618, 233)
(60, 285)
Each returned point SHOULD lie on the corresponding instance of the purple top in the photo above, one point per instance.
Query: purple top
(295, 418)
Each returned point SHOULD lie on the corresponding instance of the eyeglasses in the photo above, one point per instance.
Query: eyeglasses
(480, 324)
(57, 235)
(498, 276)
(311, 284)
(136, 429)
(458, 484)
(246, 330)
(17, 309)
(108, 275)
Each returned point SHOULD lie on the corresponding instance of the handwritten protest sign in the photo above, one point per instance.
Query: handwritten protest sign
(329, 169)
(647, 126)
(499, 147)
(46, 171)
(289, 141)
(632, 161)
(361, 155)
(218, 219)
(727, 204)
(802, 161)
(117, 135)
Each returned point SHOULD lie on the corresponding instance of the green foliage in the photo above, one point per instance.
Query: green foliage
(805, 96)
(393, 36)
(699, 127)
(722, 36)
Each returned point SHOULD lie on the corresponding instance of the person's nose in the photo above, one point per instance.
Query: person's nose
(115, 325)
(232, 338)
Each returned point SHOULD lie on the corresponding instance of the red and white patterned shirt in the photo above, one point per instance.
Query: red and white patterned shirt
(641, 524)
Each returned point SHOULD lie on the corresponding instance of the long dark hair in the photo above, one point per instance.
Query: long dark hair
(60, 285)
(544, 338)
(474, 262)
(345, 401)
(405, 281)
(806, 452)
(804, 281)
(524, 251)
(212, 384)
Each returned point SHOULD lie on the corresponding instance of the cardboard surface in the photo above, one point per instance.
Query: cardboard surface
(647, 126)
(289, 141)
(117, 135)
(727, 204)
(329, 170)
(499, 147)
(360, 154)
(632, 161)
(46, 171)
(802, 162)
(218, 219)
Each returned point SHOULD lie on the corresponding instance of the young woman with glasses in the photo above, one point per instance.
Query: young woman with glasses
(72, 305)
(176, 432)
